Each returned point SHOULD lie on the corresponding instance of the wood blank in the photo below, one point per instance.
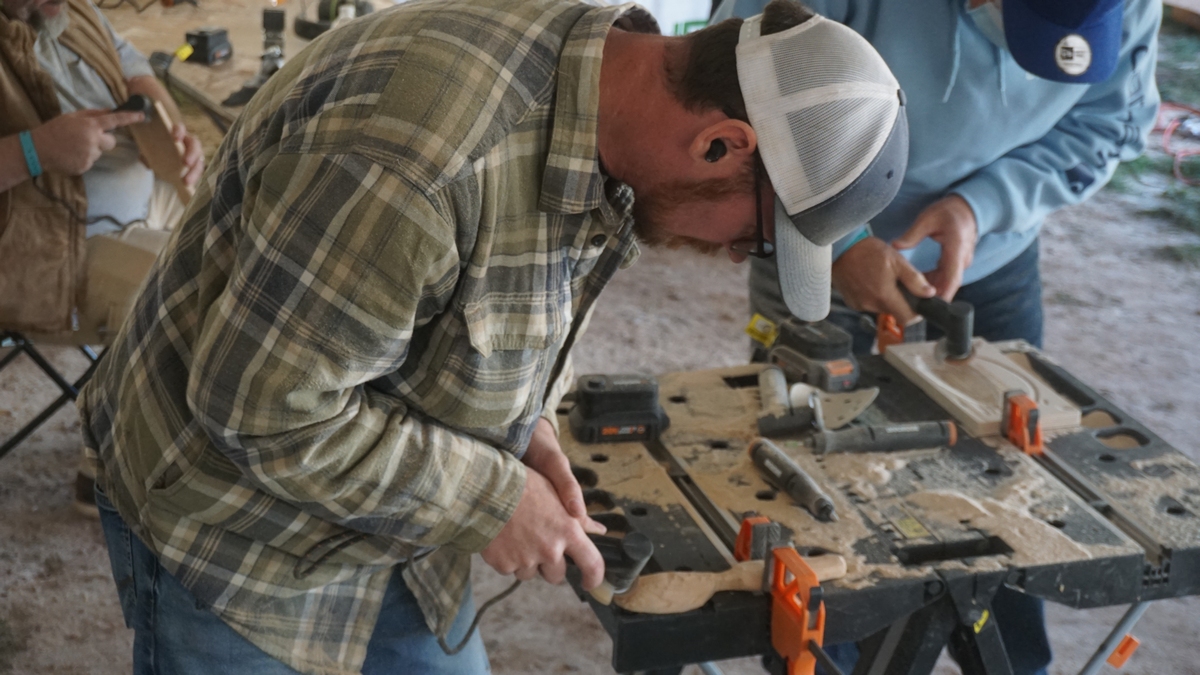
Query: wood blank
(973, 390)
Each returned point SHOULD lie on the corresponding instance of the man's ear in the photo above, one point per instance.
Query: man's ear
(737, 137)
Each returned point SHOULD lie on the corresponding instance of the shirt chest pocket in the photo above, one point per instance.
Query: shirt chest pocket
(517, 322)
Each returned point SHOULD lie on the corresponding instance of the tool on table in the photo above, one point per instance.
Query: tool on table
(885, 438)
(210, 46)
(837, 410)
(955, 319)
(778, 417)
(818, 353)
(617, 409)
(274, 26)
(783, 473)
(330, 15)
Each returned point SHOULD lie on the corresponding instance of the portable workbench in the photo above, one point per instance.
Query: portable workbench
(1109, 515)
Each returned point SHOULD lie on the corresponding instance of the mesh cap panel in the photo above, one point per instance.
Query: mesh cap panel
(821, 101)
(832, 138)
(817, 59)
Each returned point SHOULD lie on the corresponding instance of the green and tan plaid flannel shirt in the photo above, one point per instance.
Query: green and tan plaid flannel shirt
(340, 356)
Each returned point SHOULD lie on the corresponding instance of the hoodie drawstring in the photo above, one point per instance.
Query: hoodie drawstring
(1000, 74)
(954, 64)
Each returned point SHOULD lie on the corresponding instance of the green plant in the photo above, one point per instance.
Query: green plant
(1178, 63)
(1184, 253)
(1134, 172)
(1181, 206)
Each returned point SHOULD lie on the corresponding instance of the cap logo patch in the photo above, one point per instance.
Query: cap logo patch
(1073, 55)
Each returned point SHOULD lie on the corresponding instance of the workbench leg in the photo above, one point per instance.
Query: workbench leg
(979, 650)
(1126, 624)
(910, 646)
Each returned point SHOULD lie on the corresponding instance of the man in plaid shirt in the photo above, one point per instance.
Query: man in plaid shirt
(347, 361)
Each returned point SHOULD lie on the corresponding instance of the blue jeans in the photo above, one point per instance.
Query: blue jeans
(173, 636)
(1008, 306)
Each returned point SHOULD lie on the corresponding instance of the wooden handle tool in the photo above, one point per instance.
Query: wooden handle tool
(675, 592)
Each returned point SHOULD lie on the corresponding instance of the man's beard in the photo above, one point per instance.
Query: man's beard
(51, 26)
(653, 208)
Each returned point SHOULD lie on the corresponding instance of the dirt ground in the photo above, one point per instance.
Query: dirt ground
(1122, 314)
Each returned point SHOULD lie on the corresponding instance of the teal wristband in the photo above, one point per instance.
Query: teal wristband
(31, 158)
(862, 234)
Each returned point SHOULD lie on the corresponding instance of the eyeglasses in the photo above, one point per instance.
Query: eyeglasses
(758, 247)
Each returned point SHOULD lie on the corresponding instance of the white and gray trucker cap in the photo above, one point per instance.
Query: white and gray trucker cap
(833, 137)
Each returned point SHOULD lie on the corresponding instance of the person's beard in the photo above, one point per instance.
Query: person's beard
(51, 26)
(652, 208)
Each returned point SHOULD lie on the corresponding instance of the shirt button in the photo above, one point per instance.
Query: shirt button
(599, 240)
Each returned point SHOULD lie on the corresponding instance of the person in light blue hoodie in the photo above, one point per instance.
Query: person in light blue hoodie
(1016, 108)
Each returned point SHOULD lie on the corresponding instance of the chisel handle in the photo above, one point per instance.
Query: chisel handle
(884, 438)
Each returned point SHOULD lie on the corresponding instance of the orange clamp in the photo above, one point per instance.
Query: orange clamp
(1123, 651)
(888, 332)
(797, 618)
(1020, 422)
(741, 547)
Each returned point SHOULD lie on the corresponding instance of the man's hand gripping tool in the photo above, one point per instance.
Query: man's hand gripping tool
(955, 319)
(624, 558)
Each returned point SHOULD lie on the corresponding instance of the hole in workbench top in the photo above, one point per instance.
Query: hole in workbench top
(742, 381)
(683, 568)
(586, 477)
(1107, 458)
(1100, 419)
(678, 399)
(1057, 523)
(615, 523)
(718, 445)
(952, 550)
(1122, 439)
(597, 501)
(811, 551)
(637, 511)
(993, 471)
(765, 495)
(599, 458)
(1176, 510)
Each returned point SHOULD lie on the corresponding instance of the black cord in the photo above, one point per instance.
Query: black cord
(83, 219)
(451, 651)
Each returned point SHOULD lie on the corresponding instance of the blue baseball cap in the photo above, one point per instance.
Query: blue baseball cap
(1065, 40)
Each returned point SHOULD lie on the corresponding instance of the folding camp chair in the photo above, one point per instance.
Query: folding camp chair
(18, 344)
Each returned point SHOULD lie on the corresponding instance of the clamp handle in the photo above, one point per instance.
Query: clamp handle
(1021, 423)
(797, 611)
(751, 537)
(888, 332)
